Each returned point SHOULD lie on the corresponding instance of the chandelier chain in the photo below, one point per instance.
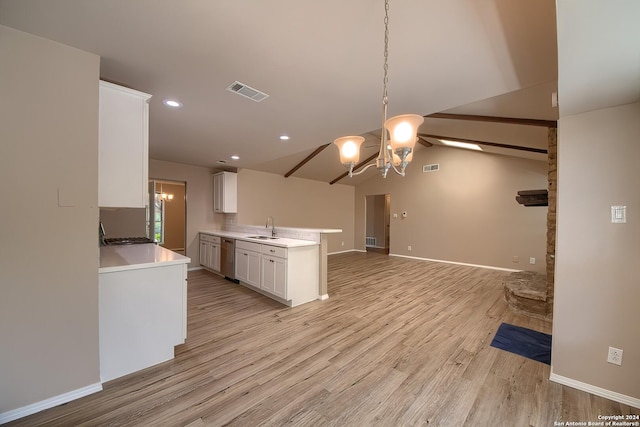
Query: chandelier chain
(385, 79)
(397, 135)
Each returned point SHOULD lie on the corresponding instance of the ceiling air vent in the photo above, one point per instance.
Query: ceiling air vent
(247, 91)
(431, 168)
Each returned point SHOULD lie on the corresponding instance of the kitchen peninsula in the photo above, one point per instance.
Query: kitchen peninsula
(143, 307)
(285, 263)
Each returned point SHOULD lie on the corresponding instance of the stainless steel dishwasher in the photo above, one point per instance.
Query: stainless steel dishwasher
(227, 258)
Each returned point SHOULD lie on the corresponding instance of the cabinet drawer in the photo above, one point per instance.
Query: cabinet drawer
(274, 251)
(209, 238)
(249, 246)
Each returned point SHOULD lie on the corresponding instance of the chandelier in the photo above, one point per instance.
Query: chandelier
(396, 149)
(163, 195)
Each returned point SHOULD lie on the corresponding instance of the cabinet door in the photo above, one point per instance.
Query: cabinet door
(253, 269)
(123, 147)
(242, 265)
(204, 257)
(225, 192)
(215, 257)
(218, 186)
(274, 276)
(280, 279)
(268, 282)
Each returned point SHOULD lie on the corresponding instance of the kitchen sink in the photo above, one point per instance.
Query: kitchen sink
(261, 237)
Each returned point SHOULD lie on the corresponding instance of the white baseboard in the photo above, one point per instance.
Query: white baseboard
(195, 268)
(323, 297)
(602, 392)
(344, 252)
(490, 267)
(14, 414)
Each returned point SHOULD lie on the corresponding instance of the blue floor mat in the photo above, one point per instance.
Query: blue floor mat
(524, 342)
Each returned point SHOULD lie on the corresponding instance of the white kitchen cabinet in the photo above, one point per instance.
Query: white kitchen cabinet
(248, 263)
(210, 252)
(225, 192)
(288, 275)
(274, 275)
(273, 270)
(203, 252)
(143, 315)
(123, 147)
(214, 257)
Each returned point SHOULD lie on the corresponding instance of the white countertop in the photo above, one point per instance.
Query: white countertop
(284, 242)
(132, 257)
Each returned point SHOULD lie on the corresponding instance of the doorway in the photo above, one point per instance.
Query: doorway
(167, 217)
(377, 222)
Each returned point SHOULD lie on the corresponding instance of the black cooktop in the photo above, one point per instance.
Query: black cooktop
(126, 241)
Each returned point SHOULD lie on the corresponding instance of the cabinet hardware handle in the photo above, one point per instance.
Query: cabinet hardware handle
(271, 260)
(272, 250)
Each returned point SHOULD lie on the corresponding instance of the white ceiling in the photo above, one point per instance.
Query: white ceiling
(599, 54)
(319, 61)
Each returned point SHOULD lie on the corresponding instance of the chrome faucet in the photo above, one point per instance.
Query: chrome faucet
(273, 227)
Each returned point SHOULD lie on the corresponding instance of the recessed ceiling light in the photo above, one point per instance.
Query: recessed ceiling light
(284, 137)
(221, 161)
(235, 157)
(172, 103)
(458, 144)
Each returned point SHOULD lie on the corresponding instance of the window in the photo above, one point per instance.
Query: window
(155, 219)
(158, 220)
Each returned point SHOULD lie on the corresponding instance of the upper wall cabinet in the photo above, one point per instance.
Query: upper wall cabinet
(225, 192)
(123, 147)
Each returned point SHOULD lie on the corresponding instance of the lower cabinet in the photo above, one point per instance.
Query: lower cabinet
(142, 316)
(248, 263)
(289, 275)
(210, 252)
(273, 273)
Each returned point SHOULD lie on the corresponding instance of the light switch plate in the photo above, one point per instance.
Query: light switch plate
(618, 214)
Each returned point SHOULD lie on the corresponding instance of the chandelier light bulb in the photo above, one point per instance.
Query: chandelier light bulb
(403, 132)
(349, 148)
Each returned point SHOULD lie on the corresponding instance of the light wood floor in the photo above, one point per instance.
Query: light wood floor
(399, 343)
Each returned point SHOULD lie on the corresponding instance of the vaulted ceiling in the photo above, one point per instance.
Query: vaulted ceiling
(320, 62)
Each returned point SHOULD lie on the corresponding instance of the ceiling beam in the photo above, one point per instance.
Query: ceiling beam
(424, 142)
(492, 119)
(490, 144)
(309, 157)
(358, 166)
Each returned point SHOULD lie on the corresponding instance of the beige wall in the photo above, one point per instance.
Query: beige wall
(297, 202)
(49, 228)
(597, 291)
(465, 212)
(200, 214)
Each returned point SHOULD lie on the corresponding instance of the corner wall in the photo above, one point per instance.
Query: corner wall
(597, 293)
(49, 229)
(466, 212)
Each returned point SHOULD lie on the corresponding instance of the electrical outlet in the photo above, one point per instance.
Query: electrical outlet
(615, 356)
(532, 260)
(409, 247)
(342, 243)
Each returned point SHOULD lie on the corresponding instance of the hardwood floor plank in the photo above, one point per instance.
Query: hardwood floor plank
(400, 342)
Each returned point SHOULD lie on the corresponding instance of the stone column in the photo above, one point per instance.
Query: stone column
(551, 215)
